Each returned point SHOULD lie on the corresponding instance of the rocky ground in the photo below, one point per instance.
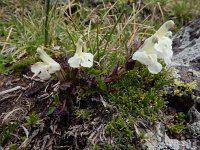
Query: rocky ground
(20, 96)
(186, 68)
(56, 127)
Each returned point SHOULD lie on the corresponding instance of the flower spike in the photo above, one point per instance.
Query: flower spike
(157, 46)
(80, 58)
(44, 69)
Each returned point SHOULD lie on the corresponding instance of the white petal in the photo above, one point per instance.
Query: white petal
(38, 67)
(169, 34)
(44, 75)
(148, 59)
(79, 46)
(163, 44)
(164, 49)
(164, 29)
(141, 56)
(75, 61)
(167, 60)
(149, 43)
(44, 56)
(87, 60)
(167, 41)
(84, 59)
(154, 66)
(54, 67)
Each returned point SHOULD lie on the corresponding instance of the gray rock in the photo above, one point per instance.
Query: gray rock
(186, 59)
(158, 139)
(186, 63)
(194, 114)
(195, 128)
(186, 66)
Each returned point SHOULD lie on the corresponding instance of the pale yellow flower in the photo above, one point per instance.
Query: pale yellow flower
(80, 58)
(44, 69)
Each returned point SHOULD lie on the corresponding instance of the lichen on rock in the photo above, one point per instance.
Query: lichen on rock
(186, 47)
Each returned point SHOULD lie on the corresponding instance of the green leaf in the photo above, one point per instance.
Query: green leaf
(50, 110)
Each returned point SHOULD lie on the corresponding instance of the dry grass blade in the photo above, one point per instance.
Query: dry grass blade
(4, 46)
(11, 116)
(29, 139)
(11, 90)
(27, 134)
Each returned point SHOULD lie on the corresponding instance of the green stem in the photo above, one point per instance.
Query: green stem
(46, 33)
(97, 39)
(71, 38)
(112, 32)
(22, 4)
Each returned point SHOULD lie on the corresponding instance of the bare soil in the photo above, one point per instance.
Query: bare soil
(60, 130)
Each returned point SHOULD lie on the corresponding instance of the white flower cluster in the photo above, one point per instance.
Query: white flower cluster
(157, 46)
(44, 69)
(49, 66)
(80, 58)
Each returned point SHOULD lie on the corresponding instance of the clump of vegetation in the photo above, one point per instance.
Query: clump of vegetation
(138, 97)
(32, 119)
(53, 105)
(7, 131)
(188, 87)
(84, 114)
(179, 126)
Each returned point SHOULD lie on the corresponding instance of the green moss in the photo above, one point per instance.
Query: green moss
(4, 60)
(180, 124)
(54, 104)
(188, 87)
(105, 147)
(137, 96)
(84, 114)
(32, 119)
(7, 131)
(21, 65)
(185, 10)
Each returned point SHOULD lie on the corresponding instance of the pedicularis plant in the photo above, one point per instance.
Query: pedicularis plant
(73, 75)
